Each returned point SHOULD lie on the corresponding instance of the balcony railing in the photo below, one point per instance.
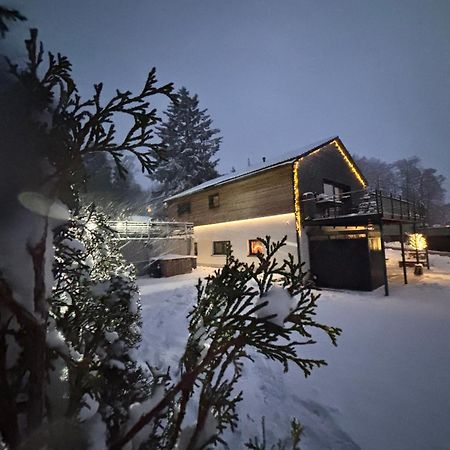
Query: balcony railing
(145, 230)
(361, 202)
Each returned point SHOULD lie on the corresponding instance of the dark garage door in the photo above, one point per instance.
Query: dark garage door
(341, 263)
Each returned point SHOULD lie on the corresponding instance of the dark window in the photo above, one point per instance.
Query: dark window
(333, 191)
(213, 201)
(221, 247)
(184, 208)
(255, 246)
(195, 249)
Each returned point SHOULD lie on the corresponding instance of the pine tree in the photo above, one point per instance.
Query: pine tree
(190, 144)
(117, 195)
(96, 312)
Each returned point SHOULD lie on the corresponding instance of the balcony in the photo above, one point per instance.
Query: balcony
(359, 206)
(151, 230)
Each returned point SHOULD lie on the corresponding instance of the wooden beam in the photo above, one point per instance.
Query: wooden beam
(386, 284)
(402, 244)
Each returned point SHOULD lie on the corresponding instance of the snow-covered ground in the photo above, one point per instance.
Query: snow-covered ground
(387, 385)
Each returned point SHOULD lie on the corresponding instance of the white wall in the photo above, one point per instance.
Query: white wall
(239, 232)
(304, 249)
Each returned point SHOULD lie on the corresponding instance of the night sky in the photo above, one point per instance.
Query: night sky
(275, 75)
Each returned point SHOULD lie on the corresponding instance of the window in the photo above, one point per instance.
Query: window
(213, 201)
(184, 208)
(195, 249)
(221, 247)
(332, 191)
(255, 246)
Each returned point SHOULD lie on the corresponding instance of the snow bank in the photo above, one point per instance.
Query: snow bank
(387, 382)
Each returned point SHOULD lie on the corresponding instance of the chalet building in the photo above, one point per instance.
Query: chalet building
(317, 197)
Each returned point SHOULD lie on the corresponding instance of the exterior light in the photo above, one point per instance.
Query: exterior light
(298, 217)
(417, 241)
(352, 167)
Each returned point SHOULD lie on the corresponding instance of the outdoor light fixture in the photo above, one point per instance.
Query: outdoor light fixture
(350, 164)
(295, 167)
(417, 241)
(297, 198)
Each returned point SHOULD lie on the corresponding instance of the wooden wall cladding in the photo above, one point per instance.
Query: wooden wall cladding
(263, 194)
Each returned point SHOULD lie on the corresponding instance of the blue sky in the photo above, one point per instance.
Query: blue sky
(276, 75)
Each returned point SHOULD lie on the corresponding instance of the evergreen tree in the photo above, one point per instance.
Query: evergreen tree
(267, 306)
(408, 178)
(69, 313)
(96, 312)
(87, 329)
(190, 144)
(117, 195)
(379, 174)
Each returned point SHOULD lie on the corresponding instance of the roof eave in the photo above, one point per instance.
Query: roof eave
(256, 171)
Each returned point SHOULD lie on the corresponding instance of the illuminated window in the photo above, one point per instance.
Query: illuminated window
(213, 201)
(184, 208)
(255, 246)
(221, 247)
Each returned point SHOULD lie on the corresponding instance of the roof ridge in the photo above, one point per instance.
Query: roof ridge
(274, 162)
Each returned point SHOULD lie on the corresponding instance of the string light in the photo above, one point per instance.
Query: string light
(298, 217)
(417, 241)
(350, 164)
(295, 167)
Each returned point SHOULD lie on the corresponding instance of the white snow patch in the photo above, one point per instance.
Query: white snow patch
(137, 410)
(97, 433)
(280, 304)
(385, 385)
(208, 431)
(55, 339)
(74, 244)
(89, 409)
(115, 363)
(133, 306)
(111, 336)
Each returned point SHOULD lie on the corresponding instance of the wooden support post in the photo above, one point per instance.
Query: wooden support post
(417, 250)
(428, 259)
(386, 284)
(402, 244)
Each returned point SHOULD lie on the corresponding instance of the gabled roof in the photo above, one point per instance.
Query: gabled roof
(286, 158)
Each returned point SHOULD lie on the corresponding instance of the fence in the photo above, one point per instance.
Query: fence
(151, 230)
(361, 202)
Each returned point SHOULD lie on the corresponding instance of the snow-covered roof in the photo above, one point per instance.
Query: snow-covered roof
(285, 158)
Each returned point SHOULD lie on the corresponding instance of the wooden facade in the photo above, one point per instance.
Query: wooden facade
(263, 194)
(240, 208)
(327, 164)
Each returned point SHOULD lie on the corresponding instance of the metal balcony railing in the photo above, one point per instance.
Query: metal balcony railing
(146, 230)
(361, 202)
